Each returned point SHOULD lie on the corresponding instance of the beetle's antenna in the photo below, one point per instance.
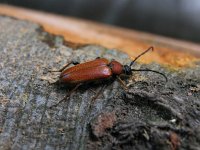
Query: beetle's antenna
(151, 71)
(150, 48)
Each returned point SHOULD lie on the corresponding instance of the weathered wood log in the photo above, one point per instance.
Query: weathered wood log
(152, 114)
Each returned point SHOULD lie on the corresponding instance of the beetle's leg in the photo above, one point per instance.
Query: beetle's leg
(99, 92)
(63, 68)
(122, 83)
(68, 95)
(93, 91)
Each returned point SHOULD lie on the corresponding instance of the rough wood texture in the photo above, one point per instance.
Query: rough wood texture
(26, 121)
(152, 114)
(168, 51)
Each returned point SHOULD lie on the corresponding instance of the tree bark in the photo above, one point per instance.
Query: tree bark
(151, 114)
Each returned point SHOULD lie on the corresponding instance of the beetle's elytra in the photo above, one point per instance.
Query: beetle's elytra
(93, 70)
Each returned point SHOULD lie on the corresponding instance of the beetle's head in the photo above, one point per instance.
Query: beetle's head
(127, 70)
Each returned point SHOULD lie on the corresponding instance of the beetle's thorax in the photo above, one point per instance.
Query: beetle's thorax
(116, 67)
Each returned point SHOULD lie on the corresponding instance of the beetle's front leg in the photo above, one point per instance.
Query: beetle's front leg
(67, 65)
(122, 83)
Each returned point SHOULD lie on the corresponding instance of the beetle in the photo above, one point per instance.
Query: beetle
(98, 69)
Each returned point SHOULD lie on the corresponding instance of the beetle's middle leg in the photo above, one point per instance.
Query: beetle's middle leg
(68, 95)
(67, 65)
(98, 93)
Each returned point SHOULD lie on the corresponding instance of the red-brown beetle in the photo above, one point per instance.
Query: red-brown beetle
(98, 69)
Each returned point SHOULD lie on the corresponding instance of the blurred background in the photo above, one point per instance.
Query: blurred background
(173, 18)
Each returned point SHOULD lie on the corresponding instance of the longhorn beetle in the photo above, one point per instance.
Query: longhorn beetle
(98, 69)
